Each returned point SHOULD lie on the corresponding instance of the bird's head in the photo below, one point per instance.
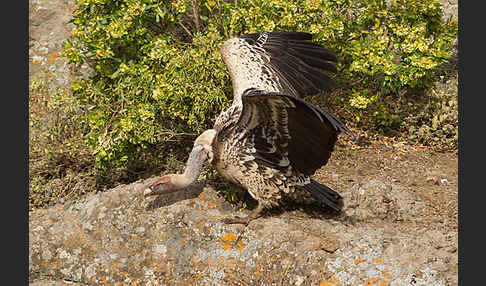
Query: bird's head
(164, 185)
(176, 182)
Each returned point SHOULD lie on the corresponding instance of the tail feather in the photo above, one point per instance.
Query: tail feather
(324, 194)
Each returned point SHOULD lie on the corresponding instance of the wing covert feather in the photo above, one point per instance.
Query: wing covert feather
(288, 131)
(284, 62)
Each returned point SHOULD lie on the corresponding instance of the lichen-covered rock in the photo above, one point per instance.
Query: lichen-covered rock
(48, 27)
(119, 238)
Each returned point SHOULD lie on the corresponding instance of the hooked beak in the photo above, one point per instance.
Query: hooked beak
(159, 188)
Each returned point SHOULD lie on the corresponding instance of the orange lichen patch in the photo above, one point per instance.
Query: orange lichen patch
(53, 57)
(197, 277)
(229, 237)
(93, 278)
(104, 281)
(225, 245)
(327, 283)
(382, 283)
(184, 239)
(83, 251)
(385, 274)
(115, 267)
(226, 240)
(241, 245)
(358, 261)
(334, 282)
(201, 197)
(64, 61)
(35, 62)
(372, 281)
(211, 204)
(379, 260)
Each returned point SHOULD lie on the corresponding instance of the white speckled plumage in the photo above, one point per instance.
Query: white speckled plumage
(236, 143)
(270, 140)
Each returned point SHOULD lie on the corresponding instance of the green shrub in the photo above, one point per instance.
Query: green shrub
(159, 77)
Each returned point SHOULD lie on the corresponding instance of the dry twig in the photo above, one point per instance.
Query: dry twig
(185, 29)
(195, 10)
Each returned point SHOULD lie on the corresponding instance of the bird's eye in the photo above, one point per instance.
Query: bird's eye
(158, 185)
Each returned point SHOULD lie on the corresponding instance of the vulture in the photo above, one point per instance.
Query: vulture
(270, 141)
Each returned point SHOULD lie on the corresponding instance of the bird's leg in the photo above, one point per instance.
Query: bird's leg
(256, 213)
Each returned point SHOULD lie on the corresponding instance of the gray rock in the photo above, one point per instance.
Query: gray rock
(179, 239)
(118, 238)
(48, 28)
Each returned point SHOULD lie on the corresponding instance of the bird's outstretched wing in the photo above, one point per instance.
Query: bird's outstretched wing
(287, 131)
(285, 62)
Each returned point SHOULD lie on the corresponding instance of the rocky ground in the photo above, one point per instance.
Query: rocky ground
(398, 226)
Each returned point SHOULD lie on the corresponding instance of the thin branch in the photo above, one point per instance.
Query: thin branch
(171, 135)
(195, 10)
(111, 119)
(221, 19)
(185, 29)
(122, 102)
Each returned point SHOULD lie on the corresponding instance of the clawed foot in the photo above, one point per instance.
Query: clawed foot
(239, 220)
(245, 220)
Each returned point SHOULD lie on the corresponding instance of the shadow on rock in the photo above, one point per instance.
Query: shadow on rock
(247, 202)
(313, 210)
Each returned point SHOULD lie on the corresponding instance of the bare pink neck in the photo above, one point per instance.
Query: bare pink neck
(193, 168)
